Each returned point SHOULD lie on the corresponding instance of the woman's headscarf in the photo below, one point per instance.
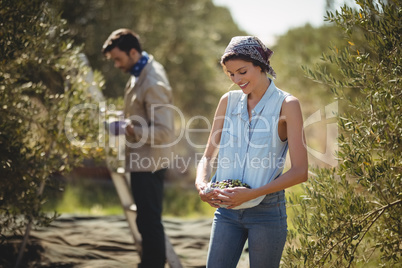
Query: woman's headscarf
(252, 47)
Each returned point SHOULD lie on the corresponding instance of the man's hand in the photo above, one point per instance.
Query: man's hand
(130, 129)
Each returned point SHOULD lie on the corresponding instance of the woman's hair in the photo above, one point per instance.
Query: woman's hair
(124, 39)
(256, 63)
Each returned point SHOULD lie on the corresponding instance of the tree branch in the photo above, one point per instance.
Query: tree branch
(379, 210)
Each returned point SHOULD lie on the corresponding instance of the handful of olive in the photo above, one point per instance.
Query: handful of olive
(225, 184)
(229, 184)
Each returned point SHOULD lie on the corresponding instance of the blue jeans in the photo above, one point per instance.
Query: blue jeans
(264, 226)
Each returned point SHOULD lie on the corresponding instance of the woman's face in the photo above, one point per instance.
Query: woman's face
(247, 76)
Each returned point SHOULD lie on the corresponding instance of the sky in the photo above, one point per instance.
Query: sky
(267, 19)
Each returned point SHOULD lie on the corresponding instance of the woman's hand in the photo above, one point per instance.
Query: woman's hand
(211, 197)
(204, 167)
(233, 197)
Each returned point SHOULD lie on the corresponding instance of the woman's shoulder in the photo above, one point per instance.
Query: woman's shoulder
(290, 99)
(233, 96)
(237, 92)
(228, 99)
(291, 106)
(224, 99)
(230, 95)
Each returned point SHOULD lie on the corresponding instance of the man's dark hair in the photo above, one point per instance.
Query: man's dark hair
(124, 39)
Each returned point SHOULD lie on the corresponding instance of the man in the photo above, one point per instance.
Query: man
(147, 108)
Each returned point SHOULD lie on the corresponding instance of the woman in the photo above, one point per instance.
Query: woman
(253, 129)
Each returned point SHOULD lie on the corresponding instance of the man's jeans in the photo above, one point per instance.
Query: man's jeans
(147, 189)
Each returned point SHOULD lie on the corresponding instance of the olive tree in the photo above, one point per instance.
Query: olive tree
(350, 215)
(42, 78)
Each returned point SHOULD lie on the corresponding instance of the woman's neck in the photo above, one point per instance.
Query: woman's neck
(257, 94)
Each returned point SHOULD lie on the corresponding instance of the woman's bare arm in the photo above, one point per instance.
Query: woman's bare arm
(204, 167)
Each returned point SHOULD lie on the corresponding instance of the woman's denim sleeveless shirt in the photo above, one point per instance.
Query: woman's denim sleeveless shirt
(251, 150)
